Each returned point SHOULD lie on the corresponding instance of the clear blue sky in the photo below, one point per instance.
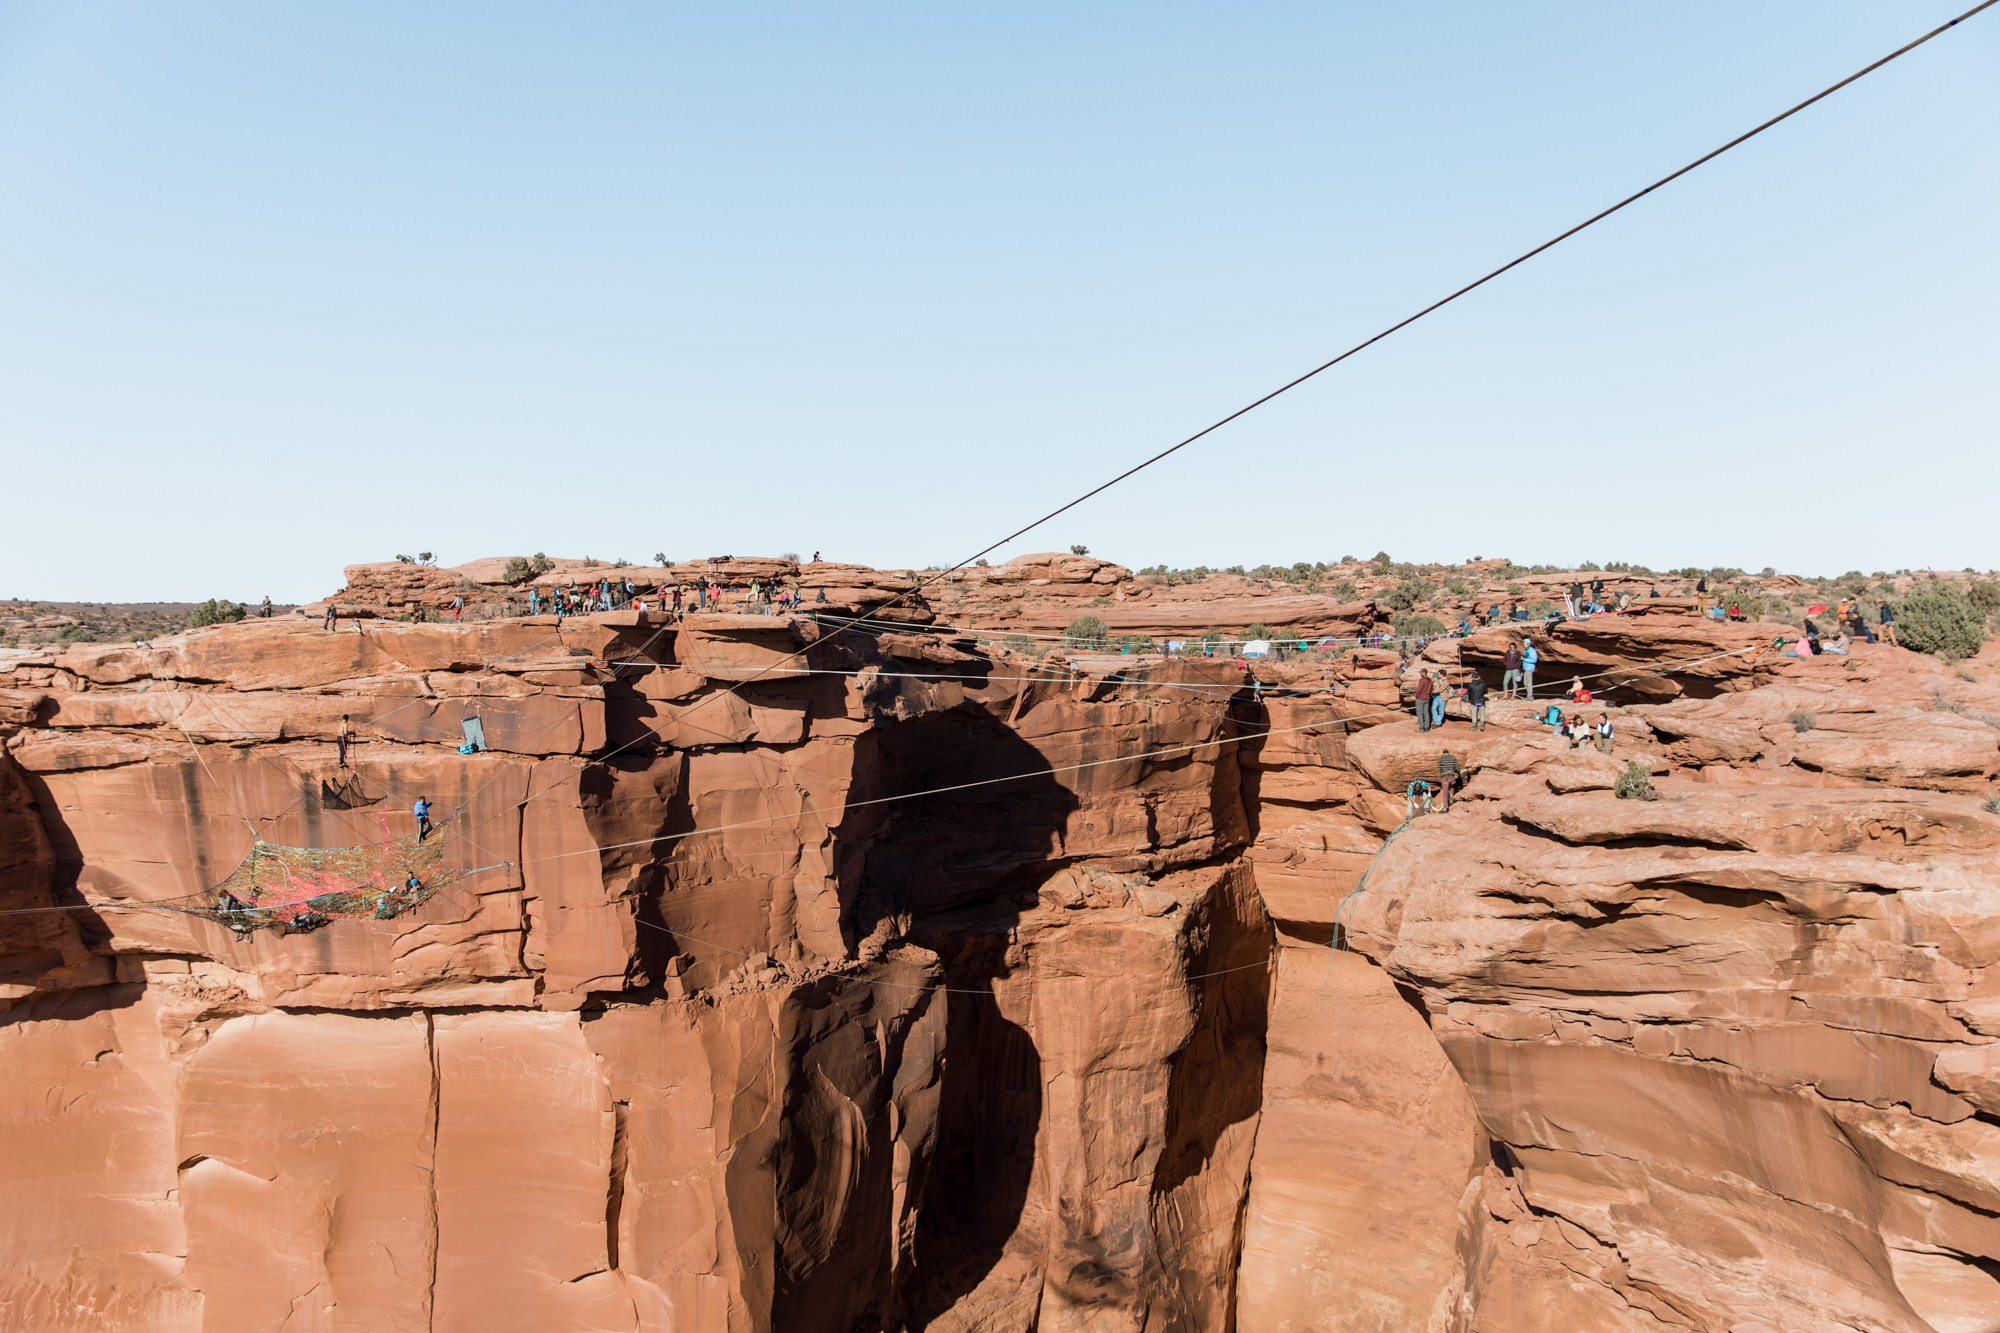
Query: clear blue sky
(285, 287)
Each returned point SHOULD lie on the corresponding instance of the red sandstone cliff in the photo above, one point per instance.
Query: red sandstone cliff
(733, 1036)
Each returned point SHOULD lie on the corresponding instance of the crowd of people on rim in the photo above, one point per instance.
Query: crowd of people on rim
(758, 597)
(1518, 664)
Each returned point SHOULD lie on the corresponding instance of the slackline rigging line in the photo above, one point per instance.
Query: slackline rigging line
(1280, 390)
(1404, 323)
(1099, 763)
(1342, 722)
(944, 990)
(1471, 286)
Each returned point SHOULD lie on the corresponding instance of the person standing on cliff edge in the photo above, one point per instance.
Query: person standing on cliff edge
(330, 609)
(1529, 657)
(422, 810)
(1423, 701)
(1510, 674)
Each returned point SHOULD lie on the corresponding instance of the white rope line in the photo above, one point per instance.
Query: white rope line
(1265, 963)
(1342, 722)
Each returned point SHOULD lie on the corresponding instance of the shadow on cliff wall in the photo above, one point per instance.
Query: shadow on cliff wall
(951, 872)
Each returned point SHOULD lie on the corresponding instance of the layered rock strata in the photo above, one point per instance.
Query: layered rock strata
(811, 979)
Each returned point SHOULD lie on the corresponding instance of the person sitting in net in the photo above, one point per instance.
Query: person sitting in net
(236, 914)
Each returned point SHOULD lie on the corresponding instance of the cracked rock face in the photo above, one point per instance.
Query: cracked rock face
(908, 987)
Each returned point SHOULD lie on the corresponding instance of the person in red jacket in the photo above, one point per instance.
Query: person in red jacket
(1424, 688)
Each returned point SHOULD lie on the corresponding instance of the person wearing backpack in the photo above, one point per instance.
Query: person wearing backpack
(1529, 657)
(1475, 694)
(1447, 776)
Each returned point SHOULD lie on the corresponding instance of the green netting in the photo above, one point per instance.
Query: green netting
(303, 888)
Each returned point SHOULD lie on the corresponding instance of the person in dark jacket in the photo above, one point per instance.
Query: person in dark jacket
(1889, 626)
(1423, 701)
(1447, 777)
(1510, 676)
(1475, 694)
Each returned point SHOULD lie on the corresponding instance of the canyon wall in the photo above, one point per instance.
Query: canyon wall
(804, 980)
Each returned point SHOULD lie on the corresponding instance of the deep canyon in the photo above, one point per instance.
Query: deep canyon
(807, 978)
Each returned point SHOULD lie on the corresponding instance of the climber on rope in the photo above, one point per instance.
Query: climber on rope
(422, 810)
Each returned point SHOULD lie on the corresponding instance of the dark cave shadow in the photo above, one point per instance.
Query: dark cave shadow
(951, 873)
(989, 1115)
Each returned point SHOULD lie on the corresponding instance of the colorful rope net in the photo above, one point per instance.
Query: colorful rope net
(302, 888)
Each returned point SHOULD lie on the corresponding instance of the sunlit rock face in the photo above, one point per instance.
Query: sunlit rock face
(795, 978)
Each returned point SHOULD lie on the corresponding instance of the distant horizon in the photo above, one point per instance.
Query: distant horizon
(252, 600)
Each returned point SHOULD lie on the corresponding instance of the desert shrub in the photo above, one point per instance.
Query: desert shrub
(1456, 585)
(406, 560)
(1635, 783)
(1086, 632)
(1964, 672)
(75, 634)
(1100, 601)
(1985, 596)
(1256, 631)
(518, 570)
(1517, 590)
(1345, 590)
(1992, 805)
(1416, 625)
(1802, 719)
(1536, 610)
(1079, 550)
(1019, 643)
(1943, 703)
(1383, 564)
(1138, 643)
(1938, 621)
(215, 611)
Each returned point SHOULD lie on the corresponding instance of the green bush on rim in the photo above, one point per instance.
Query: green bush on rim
(1939, 621)
(1086, 632)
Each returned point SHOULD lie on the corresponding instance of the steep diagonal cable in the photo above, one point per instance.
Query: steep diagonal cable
(1551, 243)
(1401, 324)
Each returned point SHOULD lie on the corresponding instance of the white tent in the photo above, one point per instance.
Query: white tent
(1257, 648)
